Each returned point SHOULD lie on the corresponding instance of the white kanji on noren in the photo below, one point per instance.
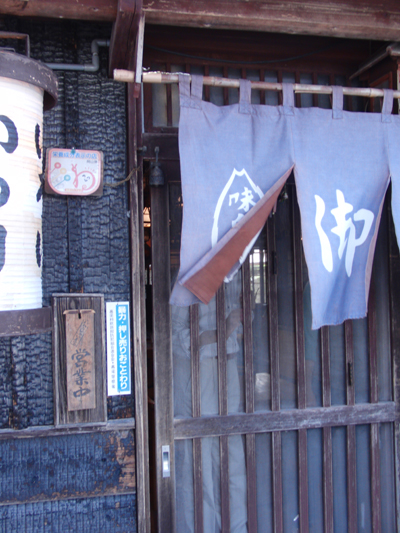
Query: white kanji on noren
(343, 225)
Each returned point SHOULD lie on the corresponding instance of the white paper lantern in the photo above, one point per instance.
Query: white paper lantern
(21, 124)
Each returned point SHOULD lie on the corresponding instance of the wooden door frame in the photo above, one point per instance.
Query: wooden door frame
(138, 316)
(162, 357)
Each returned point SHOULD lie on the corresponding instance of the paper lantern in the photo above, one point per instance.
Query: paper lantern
(25, 85)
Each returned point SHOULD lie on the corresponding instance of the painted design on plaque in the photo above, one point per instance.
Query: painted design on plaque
(74, 172)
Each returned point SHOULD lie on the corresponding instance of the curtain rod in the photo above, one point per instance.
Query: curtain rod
(128, 76)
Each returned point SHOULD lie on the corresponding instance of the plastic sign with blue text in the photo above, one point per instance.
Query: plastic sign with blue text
(118, 349)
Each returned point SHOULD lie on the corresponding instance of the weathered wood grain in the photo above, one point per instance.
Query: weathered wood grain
(394, 273)
(56, 468)
(162, 355)
(52, 431)
(196, 411)
(80, 359)
(101, 10)
(251, 466)
(124, 33)
(25, 322)
(62, 303)
(285, 420)
(300, 362)
(357, 19)
(138, 315)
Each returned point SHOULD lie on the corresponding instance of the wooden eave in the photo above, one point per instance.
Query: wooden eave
(362, 19)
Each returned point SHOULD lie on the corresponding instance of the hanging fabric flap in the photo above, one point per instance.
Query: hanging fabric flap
(230, 157)
(208, 274)
(341, 175)
(392, 125)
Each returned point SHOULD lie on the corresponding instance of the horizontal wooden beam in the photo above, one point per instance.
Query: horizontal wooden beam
(121, 424)
(98, 10)
(287, 420)
(364, 19)
(25, 322)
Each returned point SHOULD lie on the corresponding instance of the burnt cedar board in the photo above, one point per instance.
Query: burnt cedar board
(75, 466)
(108, 514)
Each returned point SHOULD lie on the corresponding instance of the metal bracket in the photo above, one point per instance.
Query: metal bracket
(11, 35)
(166, 461)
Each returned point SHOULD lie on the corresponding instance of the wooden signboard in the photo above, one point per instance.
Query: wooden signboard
(79, 359)
(79, 332)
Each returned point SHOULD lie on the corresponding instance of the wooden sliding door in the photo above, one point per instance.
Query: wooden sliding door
(262, 424)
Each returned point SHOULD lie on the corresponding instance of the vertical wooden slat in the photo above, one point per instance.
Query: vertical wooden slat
(331, 82)
(198, 486)
(315, 96)
(297, 95)
(373, 376)
(169, 99)
(196, 411)
(262, 93)
(277, 481)
(138, 318)
(162, 355)
(327, 433)
(223, 406)
(300, 361)
(326, 367)
(328, 480)
(351, 479)
(351, 431)
(248, 337)
(303, 481)
(280, 94)
(262, 278)
(394, 273)
(221, 348)
(252, 273)
(275, 373)
(249, 394)
(273, 316)
(251, 475)
(147, 107)
(207, 87)
(195, 359)
(226, 90)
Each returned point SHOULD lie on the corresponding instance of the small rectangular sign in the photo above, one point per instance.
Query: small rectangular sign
(81, 389)
(74, 172)
(118, 349)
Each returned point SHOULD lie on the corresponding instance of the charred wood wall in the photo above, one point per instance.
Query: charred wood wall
(85, 249)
